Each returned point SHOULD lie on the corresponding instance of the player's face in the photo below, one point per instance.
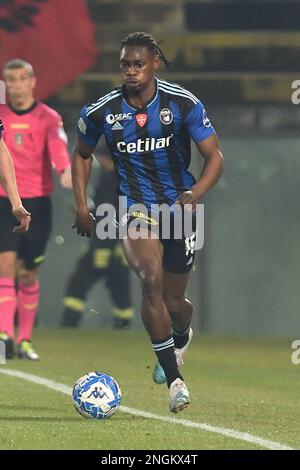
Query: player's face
(138, 67)
(19, 85)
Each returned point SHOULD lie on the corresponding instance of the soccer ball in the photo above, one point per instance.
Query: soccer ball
(96, 395)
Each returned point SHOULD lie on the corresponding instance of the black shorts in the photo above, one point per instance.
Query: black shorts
(29, 246)
(179, 253)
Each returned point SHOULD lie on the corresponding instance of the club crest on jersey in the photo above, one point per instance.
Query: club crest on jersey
(166, 116)
(141, 119)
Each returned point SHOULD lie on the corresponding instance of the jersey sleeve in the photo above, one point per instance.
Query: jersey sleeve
(57, 144)
(88, 132)
(1, 128)
(198, 124)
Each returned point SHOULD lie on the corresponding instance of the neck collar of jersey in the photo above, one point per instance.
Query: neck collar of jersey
(22, 111)
(147, 104)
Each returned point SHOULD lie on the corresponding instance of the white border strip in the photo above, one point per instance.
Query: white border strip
(242, 436)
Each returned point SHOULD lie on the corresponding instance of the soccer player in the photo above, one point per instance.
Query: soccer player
(103, 259)
(148, 124)
(34, 134)
(9, 183)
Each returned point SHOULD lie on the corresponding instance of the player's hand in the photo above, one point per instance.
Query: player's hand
(23, 217)
(66, 178)
(188, 200)
(84, 223)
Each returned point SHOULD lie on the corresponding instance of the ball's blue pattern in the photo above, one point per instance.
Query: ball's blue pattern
(97, 386)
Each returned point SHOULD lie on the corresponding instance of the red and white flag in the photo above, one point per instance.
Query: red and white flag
(55, 36)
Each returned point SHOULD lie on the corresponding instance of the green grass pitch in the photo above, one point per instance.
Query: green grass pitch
(248, 385)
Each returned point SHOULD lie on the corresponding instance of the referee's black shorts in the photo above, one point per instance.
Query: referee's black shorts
(29, 246)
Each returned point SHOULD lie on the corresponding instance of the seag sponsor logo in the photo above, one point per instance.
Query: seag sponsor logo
(113, 118)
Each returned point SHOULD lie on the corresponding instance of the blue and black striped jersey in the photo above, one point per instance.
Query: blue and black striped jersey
(151, 145)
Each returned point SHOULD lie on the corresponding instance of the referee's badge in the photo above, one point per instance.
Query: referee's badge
(166, 116)
(19, 137)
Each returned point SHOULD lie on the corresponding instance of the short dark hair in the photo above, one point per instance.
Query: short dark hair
(15, 64)
(142, 39)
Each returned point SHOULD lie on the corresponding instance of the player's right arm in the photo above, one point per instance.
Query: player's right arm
(8, 181)
(81, 170)
(88, 136)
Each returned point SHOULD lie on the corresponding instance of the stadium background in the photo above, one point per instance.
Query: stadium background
(240, 58)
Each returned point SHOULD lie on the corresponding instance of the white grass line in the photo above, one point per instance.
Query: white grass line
(242, 436)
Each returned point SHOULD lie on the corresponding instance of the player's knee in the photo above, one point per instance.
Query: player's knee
(8, 270)
(27, 278)
(7, 265)
(151, 279)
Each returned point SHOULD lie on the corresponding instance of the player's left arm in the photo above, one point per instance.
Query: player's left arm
(211, 171)
(213, 165)
(57, 146)
(208, 145)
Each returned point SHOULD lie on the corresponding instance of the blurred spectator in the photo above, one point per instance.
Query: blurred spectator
(104, 259)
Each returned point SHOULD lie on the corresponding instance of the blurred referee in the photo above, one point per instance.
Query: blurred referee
(34, 134)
